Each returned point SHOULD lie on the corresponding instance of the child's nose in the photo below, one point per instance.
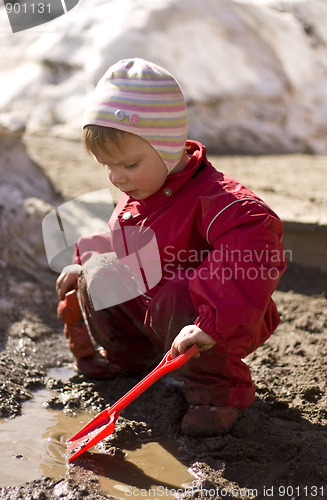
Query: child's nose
(117, 176)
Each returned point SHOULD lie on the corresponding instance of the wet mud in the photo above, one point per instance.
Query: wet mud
(279, 442)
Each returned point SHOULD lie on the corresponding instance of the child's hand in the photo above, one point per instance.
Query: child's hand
(65, 283)
(188, 336)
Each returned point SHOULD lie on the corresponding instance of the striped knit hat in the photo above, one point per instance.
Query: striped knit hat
(142, 98)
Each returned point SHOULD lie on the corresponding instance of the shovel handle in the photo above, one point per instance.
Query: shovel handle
(165, 366)
(172, 364)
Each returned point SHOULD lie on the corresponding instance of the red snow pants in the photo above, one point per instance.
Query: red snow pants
(136, 333)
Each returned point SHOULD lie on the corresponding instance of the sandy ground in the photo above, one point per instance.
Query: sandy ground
(277, 450)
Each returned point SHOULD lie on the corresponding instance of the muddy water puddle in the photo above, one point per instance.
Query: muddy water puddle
(152, 471)
(34, 445)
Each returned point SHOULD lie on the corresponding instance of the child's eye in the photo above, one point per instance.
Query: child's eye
(132, 165)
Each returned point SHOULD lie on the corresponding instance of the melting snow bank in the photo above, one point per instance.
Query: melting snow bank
(253, 72)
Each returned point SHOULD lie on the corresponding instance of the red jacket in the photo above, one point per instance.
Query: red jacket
(220, 236)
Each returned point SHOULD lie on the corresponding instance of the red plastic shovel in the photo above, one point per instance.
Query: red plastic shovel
(103, 424)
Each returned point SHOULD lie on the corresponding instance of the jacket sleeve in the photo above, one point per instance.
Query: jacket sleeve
(231, 289)
(87, 246)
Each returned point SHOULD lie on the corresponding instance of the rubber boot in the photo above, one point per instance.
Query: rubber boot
(206, 421)
(70, 314)
(90, 361)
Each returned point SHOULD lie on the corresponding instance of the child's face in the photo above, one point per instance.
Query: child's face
(134, 167)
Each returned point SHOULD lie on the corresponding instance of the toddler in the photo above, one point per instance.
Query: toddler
(220, 249)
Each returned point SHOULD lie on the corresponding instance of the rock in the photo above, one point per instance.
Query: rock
(253, 72)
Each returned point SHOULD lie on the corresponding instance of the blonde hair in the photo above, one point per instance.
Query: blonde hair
(96, 137)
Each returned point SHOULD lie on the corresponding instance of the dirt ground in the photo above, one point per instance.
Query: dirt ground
(278, 448)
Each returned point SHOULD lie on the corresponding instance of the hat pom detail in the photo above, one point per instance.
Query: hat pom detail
(134, 119)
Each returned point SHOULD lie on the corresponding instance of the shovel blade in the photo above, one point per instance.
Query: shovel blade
(76, 447)
(100, 420)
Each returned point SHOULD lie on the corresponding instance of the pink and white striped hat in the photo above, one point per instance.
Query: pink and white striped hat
(142, 98)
